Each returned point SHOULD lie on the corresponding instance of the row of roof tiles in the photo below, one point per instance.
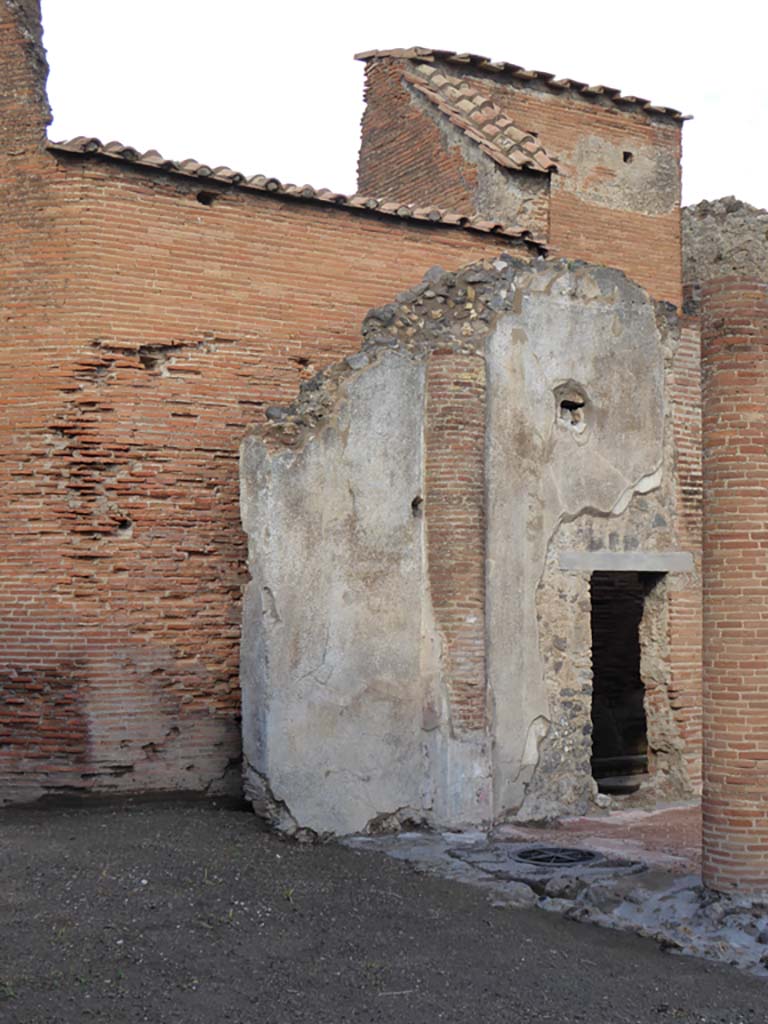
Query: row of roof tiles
(476, 114)
(83, 145)
(422, 53)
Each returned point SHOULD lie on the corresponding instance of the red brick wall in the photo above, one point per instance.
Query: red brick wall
(162, 328)
(735, 427)
(645, 247)
(455, 524)
(404, 156)
(595, 214)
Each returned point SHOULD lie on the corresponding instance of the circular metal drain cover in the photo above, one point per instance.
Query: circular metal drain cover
(555, 856)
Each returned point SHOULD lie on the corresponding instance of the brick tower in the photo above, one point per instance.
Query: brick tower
(727, 254)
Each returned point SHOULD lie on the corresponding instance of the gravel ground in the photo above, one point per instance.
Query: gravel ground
(195, 914)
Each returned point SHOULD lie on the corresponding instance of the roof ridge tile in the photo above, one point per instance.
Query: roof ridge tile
(610, 93)
(83, 145)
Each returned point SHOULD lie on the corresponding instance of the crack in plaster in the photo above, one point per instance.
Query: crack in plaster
(647, 483)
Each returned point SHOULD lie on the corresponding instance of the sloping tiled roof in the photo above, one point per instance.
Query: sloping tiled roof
(422, 53)
(475, 113)
(84, 146)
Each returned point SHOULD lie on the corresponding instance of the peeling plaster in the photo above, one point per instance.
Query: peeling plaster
(346, 713)
(540, 474)
(647, 183)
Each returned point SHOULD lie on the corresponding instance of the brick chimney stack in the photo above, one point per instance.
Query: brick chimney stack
(726, 252)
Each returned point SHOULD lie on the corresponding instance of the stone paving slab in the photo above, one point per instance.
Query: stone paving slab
(640, 874)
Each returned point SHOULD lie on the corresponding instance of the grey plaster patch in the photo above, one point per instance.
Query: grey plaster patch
(623, 174)
(594, 333)
(335, 555)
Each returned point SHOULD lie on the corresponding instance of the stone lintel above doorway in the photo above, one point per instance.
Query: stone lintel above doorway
(627, 561)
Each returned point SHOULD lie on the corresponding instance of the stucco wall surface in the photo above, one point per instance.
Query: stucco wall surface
(350, 717)
(592, 335)
(332, 683)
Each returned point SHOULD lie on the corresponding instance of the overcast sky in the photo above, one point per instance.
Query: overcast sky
(271, 88)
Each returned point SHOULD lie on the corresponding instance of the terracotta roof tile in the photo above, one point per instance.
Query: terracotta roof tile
(424, 54)
(84, 146)
(476, 114)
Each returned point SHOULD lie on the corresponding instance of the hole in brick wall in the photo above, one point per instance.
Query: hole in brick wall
(207, 198)
(417, 505)
(125, 528)
(305, 366)
(627, 156)
(153, 358)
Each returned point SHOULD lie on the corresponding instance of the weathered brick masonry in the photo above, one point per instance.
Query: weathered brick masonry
(727, 258)
(615, 196)
(612, 198)
(455, 514)
(684, 618)
(150, 317)
(152, 311)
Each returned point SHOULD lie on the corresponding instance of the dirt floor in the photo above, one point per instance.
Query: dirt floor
(195, 914)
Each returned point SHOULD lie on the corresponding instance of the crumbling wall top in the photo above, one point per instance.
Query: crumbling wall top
(724, 238)
(26, 17)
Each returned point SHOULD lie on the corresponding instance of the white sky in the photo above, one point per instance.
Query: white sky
(271, 88)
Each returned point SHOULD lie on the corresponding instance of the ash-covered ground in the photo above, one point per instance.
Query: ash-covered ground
(192, 913)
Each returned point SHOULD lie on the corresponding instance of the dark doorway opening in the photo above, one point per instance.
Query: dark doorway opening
(619, 732)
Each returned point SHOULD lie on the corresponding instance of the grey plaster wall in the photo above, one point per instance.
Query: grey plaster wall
(346, 720)
(332, 675)
(590, 334)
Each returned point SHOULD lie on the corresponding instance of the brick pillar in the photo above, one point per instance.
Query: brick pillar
(735, 440)
(455, 520)
(684, 594)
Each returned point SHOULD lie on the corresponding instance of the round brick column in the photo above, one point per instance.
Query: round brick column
(734, 316)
